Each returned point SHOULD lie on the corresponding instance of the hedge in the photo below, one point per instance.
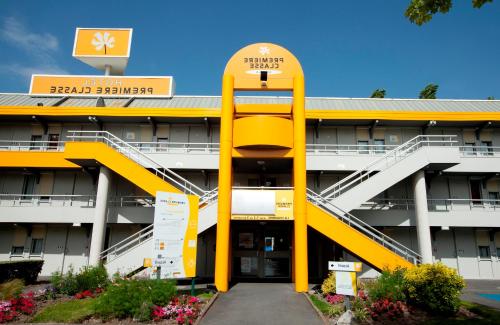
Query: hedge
(24, 270)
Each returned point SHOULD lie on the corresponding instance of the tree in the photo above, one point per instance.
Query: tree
(429, 92)
(378, 93)
(490, 98)
(421, 11)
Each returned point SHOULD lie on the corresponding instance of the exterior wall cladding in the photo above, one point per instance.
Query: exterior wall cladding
(48, 213)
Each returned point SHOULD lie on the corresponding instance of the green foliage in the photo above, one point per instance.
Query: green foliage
(328, 286)
(389, 285)
(11, 289)
(490, 98)
(335, 310)
(359, 309)
(429, 92)
(421, 11)
(73, 311)
(322, 305)
(435, 287)
(134, 298)
(25, 270)
(378, 93)
(89, 278)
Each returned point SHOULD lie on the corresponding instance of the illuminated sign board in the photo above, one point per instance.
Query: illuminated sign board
(262, 205)
(101, 86)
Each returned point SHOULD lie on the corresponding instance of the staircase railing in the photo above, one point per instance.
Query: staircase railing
(364, 228)
(387, 160)
(139, 157)
(146, 233)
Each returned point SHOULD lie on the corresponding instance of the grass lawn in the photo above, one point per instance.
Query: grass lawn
(323, 306)
(205, 295)
(73, 311)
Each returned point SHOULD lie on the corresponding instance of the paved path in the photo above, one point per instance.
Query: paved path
(476, 287)
(261, 303)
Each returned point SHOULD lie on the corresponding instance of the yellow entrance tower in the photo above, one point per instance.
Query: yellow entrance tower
(262, 131)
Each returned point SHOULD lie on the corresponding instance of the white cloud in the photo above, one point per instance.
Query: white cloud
(39, 47)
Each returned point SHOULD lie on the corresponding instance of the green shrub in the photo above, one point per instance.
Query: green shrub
(11, 289)
(328, 286)
(389, 285)
(26, 270)
(89, 278)
(435, 287)
(359, 309)
(335, 310)
(134, 298)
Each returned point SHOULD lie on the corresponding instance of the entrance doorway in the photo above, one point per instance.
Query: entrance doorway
(261, 250)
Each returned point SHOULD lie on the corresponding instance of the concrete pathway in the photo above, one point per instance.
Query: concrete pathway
(476, 287)
(261, 303)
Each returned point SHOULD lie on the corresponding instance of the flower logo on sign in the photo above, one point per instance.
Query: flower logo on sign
(101, 41)
(264, 50)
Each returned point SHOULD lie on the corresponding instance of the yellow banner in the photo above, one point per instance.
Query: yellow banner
(283, 208)
(113, 42)
(101, 86)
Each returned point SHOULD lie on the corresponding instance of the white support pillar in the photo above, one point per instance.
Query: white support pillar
(422, 217)
(100, 214)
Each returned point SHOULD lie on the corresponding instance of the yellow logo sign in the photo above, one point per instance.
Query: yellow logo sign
(95, 42)
(115, 86)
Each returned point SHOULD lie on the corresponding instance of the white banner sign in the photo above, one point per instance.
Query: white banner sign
(345, 283)
(174, 236)
(345, 266)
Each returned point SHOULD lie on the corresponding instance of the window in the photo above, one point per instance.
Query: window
(484, 252)
(475, 191)
(494, 198)
(53, 142)
(35, 143)
(17, 251)
(469, 148)
(29, 186)
(363, 147)
(486, 148)
(36, 246)
(498, 252)
(379, 145)
(162, 144)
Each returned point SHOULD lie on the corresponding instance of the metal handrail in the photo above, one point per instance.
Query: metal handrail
(21, 200)
(27, 145)
(433, 204)
(139, 157)
(482, 151)
(385, 161)
(339, 149)
(363, 227)
(165, 147)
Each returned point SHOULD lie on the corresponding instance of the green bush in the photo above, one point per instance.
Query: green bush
(328, 286)
(11, 289)
(89, 278)
(25, 270)
(389, 285)
(134, 298)
(435, 287)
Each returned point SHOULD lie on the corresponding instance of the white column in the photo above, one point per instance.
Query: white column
(100, 214)
(422, 217)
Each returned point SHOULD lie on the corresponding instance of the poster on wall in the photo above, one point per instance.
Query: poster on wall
(262, 205)
(175, 235)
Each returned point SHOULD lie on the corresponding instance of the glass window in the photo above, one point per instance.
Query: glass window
(484, 252)
(35, 143)
(486, 148)
(17, 250)
(29, 186)
(53, 141)
(162, 144)
(363, 147)
(36, 246)
(469, 149)
(494, 198)
(379, 145)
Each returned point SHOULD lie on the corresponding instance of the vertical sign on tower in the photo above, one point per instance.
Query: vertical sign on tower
(175, 235)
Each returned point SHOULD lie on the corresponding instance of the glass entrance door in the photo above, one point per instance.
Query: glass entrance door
(261, 250)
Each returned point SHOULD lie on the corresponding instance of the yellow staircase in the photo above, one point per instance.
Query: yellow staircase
(364, 241)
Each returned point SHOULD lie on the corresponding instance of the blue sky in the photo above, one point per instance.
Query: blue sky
(347, 48)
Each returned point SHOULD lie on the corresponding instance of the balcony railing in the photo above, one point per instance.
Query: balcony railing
(479, 151)
(176, 147)
(434, 205)
(14, 145)
(41, 200)
(348, 149)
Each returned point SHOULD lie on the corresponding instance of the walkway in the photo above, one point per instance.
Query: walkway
(261, 303)
(475, 288)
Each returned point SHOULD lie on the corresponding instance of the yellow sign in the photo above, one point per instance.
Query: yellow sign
(283, 208)
(101, 86)
(110, 42)
(278, 64)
